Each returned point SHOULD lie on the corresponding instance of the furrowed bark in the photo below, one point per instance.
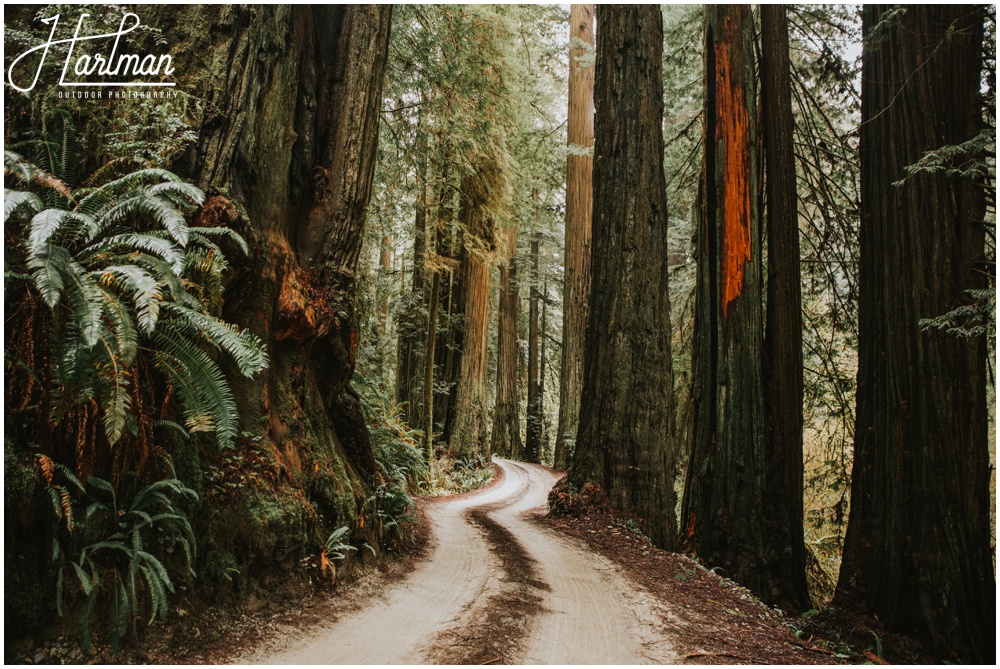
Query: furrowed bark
(469, 432)
(782, 358)
(624, 439)
(917, 551)
(722, 512)
(286, 151)
(533, 438)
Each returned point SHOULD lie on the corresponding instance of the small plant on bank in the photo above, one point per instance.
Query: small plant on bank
(334, 549)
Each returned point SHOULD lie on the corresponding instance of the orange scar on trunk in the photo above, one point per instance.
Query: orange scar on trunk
(733, 135)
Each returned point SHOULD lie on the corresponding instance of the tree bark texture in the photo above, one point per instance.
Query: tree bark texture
(286, 152)
(469, 432)
(506, 435)
(725, 488)
(579, 214)
(917, 551)
(624, 439)
(782, 359)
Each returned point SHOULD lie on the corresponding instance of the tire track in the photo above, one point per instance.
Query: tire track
(495, 631)
(496, 587)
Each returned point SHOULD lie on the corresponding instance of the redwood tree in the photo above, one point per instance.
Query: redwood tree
(287, 146)
(722, 512)
(579, 206)
(782, 355)
(468, 432)
(917, 551)
(626, 409)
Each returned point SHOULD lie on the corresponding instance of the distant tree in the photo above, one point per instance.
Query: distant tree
(505, 438)
(469, 430)
(626, 409)
(536, 417)
(917, 552)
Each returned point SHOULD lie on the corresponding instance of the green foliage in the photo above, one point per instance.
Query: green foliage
(462, 475)
(335, 545)
(120, 574)
(123, 273)
(398, 458)
(974, 319)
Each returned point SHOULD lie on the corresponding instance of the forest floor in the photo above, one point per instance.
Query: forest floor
(491, 578)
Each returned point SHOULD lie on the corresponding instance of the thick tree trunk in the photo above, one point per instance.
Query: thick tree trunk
(533, 436)
(722, 512)
(782, 359)
(624, 439)
(469, 431)
(506, 436)
(286, 150)
(579, 207)
(917, 551)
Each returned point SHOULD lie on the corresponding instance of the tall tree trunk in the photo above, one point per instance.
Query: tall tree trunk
(506, 436)
(533, 436)
(469, 431)
(294, 94)
(917, 551)
(624, 439)
(724, 491)
(579, 207)
(782, 359)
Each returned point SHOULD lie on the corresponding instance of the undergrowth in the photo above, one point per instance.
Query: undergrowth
(454, 477)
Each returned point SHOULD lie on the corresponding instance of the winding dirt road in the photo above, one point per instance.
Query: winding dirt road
(495, 587)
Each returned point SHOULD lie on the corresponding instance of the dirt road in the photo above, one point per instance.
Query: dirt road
(496, 587)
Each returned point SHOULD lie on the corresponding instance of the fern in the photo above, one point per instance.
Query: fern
(120, 564)
(207, 401)
(124, 273)
(16, 201)
(245, 349)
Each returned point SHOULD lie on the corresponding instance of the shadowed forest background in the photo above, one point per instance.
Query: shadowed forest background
(730, 267)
